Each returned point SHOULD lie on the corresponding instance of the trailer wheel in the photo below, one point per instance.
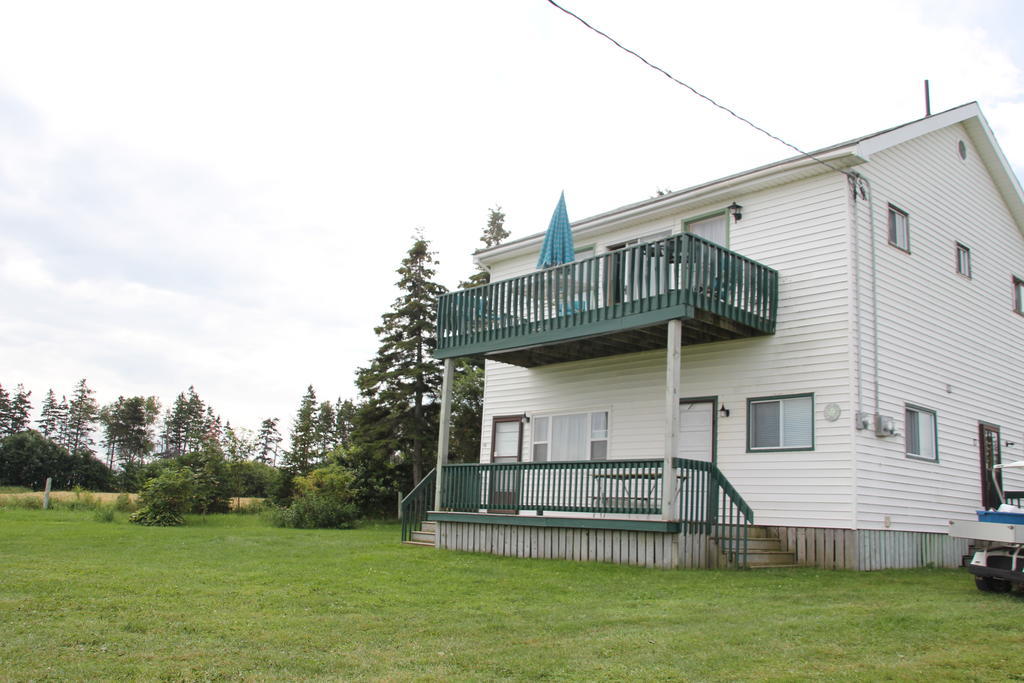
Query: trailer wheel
(990, 585)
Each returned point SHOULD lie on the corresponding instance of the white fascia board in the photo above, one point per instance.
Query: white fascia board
(890, 138)
(753, 180)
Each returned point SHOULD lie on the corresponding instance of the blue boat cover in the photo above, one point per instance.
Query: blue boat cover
(557, 247)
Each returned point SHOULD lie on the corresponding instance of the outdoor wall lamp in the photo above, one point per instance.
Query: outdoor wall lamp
(736, 210)
(723, 411)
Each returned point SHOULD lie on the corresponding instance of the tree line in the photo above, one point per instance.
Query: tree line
(382, 441)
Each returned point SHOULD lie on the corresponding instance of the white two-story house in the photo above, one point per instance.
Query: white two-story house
(815, 362)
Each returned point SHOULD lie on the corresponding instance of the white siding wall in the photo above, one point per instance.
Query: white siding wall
(946, 343)
(801, 229)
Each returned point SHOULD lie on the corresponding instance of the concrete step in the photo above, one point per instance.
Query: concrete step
(423, 536)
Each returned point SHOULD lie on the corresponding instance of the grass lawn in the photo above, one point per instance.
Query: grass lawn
(231, 598)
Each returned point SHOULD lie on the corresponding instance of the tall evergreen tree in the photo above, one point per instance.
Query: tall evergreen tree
(187, 424)
(326, 437)
(20, 406)
(5, 413)
(494, 234)
(401, 383)
(49, 421)
(302, 455)
(344, 418)
(267, 442)
(82, 414)
(129, 429)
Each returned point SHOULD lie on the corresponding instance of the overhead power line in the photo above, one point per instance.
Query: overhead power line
(692, 89)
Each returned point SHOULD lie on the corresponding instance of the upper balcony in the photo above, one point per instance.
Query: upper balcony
(614, 303)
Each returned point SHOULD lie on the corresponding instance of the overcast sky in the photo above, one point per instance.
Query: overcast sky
(218, 193)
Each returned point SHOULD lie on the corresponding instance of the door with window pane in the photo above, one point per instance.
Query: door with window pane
(991, 478)
(697, 430)
(506, 446)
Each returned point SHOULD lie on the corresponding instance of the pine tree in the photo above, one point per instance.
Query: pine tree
(493, 235)
(344, 417)
(402, 381)
(302, 455)
(49, 421)
(187, 424)
(326, 438)
(129, 426)
(267, 442)
(82, 414)
(21, 407)
(5, 413)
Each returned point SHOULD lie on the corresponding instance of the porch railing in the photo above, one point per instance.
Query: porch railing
(640, 280)
(704, 499)
(415, 506)
(606, 486)
(1014, 497)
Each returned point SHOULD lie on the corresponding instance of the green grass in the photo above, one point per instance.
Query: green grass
(230, 598)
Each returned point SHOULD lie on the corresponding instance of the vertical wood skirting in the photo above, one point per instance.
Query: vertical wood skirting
(870, 549)
(638, 548)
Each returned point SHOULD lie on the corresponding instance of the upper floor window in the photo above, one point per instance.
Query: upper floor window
(963, 260)
(714, 228)
(579, 436)
(899, 229)
(780, 423)
(922, 434)
(1018, 295)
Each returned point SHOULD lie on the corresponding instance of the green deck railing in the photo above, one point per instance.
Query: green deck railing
(704, 499)
(642, 284)
(1014, 497)
(417, 504)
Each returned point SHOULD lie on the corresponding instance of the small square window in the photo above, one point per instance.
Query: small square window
(922, 433)
(1018, 295)
(963, 260)
(783, 423)
(899, 229)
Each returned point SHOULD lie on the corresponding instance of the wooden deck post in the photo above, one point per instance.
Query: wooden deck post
(673, 365)
(443, 427)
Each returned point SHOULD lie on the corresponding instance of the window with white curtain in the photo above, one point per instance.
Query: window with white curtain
(922, 433)
(574, 436)
(714, 228)
(781, 423)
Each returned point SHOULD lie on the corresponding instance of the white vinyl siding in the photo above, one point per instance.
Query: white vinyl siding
(714, 228)
(781, 423)
(952, 348)
(921, 433)
(899, 228)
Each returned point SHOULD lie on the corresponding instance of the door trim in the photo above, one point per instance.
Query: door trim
(713, 400)
(998, 474)
(514, 479)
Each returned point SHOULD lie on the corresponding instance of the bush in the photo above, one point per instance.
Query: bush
(124, 503)
(324, 499)
(104, 513)
(165, 499)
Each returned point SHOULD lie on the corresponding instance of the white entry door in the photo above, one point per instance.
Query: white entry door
(697, 430)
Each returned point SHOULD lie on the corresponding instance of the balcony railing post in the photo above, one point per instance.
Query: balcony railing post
(673, 365)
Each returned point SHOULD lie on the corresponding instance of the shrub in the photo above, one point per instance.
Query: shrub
(104, 513)
(324, 499)
(124, 503)
(165, 499)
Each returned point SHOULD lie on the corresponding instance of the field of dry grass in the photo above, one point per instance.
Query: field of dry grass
(105, 498)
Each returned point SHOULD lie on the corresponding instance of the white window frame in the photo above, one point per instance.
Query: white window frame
(963, 260)
(1018, 295)
(912, 416)
(899, 230)
(782, 401)
(546, 440)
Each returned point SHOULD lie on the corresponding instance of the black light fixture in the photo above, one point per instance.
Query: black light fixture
(723, 411)
(736, 210)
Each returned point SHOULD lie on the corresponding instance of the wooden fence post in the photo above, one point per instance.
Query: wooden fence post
(46, 493)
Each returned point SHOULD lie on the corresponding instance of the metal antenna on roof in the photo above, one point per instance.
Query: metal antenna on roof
(927, 100)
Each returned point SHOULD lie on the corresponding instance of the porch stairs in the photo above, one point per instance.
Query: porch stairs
(764, 550)
(425, 536)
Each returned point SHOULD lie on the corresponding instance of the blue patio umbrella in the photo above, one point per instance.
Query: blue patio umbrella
(557, 247)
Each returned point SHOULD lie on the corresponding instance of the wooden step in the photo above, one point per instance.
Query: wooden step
(428, 526)
(423, 536)
(770, 557)
(774, 566)
(422, 543)
(753, 544)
